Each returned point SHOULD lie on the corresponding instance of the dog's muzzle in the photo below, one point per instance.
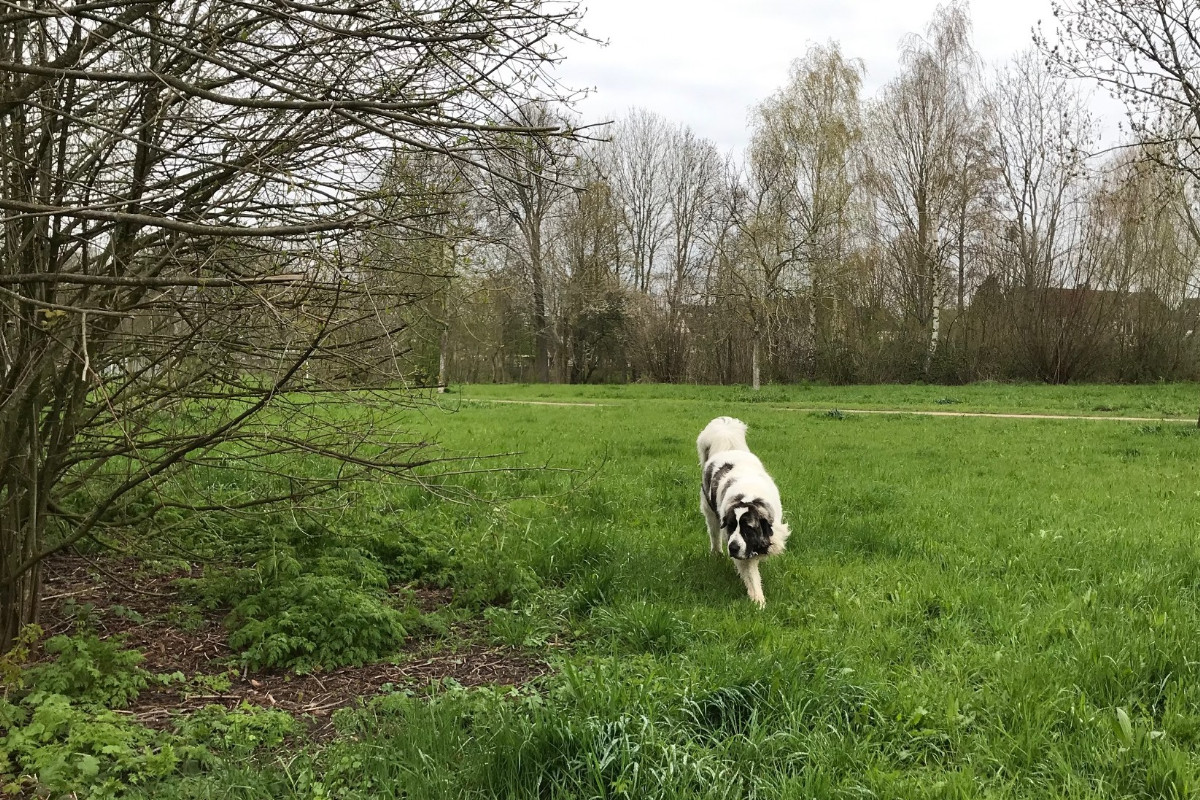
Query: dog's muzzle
(737, 549)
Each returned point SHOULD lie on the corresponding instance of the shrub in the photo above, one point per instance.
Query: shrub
(91, 671)
(240, 732)
(65, 751)
(314, 621)
(13, 662)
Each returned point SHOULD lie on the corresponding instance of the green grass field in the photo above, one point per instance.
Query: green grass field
(969, 607)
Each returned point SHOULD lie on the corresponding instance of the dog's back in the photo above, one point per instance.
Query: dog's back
(723, 433)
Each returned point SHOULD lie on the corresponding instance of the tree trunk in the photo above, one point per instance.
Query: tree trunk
(755, 383)
(443, 347)
(811, 334)
(449, 259)
(934, 333)
(22, 522)
(541, 331)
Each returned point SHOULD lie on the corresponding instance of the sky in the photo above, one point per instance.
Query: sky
(706, 63)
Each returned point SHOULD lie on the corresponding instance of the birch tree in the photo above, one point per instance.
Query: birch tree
(805, 152)
(923, 127)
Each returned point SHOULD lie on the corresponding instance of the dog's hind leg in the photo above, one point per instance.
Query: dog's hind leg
(714, 526)
(748, 570)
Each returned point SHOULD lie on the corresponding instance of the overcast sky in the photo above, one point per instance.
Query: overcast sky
(706, 62)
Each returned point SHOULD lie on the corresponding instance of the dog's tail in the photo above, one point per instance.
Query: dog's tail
(723, 433)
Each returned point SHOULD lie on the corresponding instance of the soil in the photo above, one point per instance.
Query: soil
(118, 597)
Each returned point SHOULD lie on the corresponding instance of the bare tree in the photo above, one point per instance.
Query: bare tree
(523, 186)
(183, 186)
(635, 168)
(594, 306)
(923, 131)
(1042, 134)
(1147, 54)
(805, 152)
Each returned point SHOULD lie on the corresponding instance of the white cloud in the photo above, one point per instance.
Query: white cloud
(706, 63)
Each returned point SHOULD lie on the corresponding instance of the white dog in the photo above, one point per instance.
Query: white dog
(740, 501)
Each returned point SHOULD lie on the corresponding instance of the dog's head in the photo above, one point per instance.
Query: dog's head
(750, 531)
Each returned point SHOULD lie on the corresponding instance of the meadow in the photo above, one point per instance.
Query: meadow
(969, 607)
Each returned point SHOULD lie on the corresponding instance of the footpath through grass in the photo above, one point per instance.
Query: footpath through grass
(1174, 400)
(969, 607)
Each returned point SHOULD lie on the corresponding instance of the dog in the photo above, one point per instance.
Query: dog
(740, 502)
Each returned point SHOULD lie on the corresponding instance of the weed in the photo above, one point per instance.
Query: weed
(89, 670)
(14, 661)
(314, 620)
(62, 750)
(238, 733)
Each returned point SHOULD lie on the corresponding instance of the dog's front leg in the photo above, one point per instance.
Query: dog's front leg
(748, 570)
(715, 545)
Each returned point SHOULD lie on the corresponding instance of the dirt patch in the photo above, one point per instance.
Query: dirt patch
(119, 597)
(316, 696)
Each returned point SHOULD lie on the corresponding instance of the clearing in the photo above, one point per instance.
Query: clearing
(970, 606)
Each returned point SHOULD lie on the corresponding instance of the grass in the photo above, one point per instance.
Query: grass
(969, 607)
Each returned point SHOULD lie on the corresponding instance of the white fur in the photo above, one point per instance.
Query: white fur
(723, 433)
(723, 443)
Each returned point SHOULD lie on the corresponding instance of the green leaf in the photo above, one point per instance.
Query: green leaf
(88, 765)
(1124, 727)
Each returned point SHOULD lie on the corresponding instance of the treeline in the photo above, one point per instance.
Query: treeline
(953, 227)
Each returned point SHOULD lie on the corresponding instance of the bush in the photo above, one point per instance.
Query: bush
(62, 750)
(90, 671)
(240, 732)
(314, 621)
(13, 662)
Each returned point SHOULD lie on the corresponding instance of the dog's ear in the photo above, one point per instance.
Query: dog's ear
(764, 517)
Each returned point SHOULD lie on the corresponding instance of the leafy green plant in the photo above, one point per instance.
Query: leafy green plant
(13, 662)
(239, 732)
(90, 670)
(486, 579)
(62, 750)
(312, 621)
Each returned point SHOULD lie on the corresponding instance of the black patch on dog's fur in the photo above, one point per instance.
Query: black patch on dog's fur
(712, 480)
(729, 523)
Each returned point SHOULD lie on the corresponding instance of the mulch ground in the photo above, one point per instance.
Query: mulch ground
(126, 601)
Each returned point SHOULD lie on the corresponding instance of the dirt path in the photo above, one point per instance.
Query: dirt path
(993, 415)
(533, 402)
(909, 411)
